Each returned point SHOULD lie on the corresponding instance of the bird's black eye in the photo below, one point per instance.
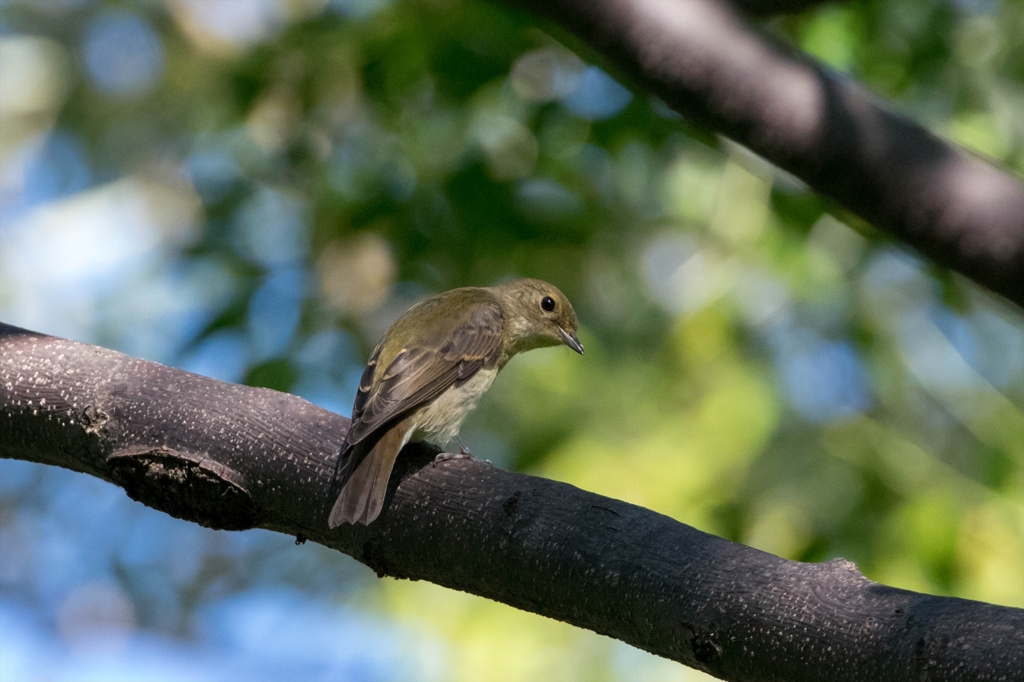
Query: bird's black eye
(547, 303)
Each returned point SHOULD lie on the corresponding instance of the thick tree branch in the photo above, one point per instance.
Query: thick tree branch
(229, 456)
(702, 60)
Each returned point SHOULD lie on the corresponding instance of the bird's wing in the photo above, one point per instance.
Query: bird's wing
(419, 373)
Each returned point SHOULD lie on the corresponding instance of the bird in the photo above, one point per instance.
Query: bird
(429, 371)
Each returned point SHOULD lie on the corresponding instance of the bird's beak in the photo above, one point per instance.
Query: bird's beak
(571, 341)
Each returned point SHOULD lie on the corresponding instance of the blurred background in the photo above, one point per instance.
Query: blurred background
(254, 190)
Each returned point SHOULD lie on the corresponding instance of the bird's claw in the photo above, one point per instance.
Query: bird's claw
(446, 456)
(463, 453)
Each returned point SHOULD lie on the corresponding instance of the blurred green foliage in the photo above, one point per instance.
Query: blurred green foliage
(759, 364)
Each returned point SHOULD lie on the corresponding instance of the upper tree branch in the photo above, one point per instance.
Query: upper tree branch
(701, 59)
(228, 456)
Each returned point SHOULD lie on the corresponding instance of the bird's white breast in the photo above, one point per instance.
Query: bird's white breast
(440, 421)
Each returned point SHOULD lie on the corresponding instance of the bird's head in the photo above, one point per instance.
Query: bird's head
(537, 314)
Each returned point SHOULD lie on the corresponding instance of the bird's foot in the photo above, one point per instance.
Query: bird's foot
(445, 456)
(463, 453)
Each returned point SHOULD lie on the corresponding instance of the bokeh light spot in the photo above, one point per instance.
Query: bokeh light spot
(123, 54)
(597, 96)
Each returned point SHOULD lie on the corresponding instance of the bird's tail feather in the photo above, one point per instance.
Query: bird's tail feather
(362, 495)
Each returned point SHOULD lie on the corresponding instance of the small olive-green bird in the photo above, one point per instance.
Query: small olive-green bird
(429, 371)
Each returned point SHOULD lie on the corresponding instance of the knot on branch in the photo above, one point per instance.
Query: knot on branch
(704, 646)
(185, 485)
(94, 419)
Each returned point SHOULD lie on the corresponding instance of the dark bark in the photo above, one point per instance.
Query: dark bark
(764, 8)
(702, 60)
(234, 457)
